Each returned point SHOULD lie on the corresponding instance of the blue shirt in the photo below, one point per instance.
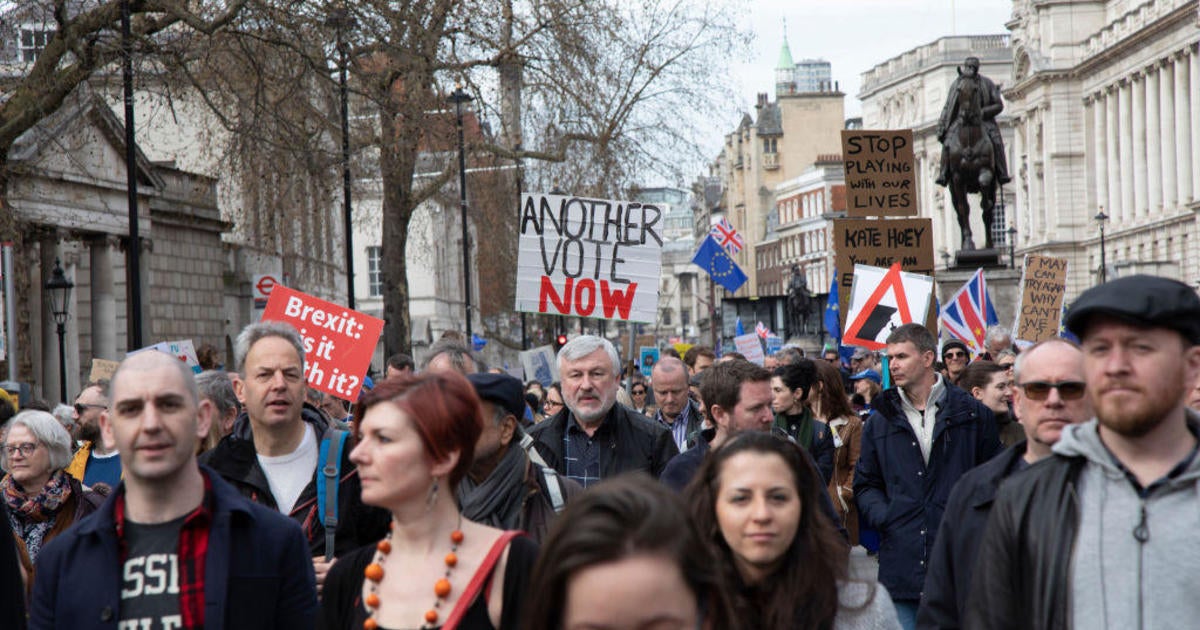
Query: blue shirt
(582, 453)
(678, 428)
(105, 470)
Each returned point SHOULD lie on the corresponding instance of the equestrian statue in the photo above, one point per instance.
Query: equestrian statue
(972, 149)
(800, 303)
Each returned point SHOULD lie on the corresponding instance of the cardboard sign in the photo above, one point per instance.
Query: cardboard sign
(183, 350)
(750, 346)
(589, 257)
(880, 173)
(338, 342)
(1043, 287)
(881, 301)
(102, 369)
(540, 365)
(880, 243)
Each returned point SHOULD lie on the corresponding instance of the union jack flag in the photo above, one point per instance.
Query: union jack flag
(726, 236)
(969, 312)
(761, 330)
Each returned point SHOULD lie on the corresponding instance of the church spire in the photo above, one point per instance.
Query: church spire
(785, 71)
(785, 53)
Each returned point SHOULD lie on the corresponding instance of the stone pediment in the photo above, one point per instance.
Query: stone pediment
(83, 142)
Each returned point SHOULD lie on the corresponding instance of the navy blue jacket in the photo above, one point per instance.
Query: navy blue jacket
(901, 496)
(257, 571)
(944, 603)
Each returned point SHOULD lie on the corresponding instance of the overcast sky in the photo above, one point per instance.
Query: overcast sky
(855, 35)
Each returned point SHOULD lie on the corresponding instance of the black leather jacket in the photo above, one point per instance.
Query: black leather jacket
(1022, 575)
(635, 442)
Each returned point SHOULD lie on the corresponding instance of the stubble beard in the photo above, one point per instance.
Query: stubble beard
(1139, 418)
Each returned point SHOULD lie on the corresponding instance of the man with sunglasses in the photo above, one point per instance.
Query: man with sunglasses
(1102, 533)
(1048, 395)
(93, 462)
(956, 356)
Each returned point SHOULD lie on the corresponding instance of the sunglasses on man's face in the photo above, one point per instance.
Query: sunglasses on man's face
(1040, 390)
(956, 354)
(639, 392)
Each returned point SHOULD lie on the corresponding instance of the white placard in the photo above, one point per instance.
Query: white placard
(540, 365)
(750, 347)
(882, 300)
(589, 257)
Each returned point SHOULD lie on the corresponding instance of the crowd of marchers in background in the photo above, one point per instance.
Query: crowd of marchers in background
(1046, 486)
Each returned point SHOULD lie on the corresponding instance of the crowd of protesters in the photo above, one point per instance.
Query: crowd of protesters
(1049, 486)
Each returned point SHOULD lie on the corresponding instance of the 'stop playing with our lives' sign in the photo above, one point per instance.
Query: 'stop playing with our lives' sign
(589, 257)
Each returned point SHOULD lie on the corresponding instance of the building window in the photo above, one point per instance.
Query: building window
(32, 41)
(685, 317)
(375, 272)
(666, 317)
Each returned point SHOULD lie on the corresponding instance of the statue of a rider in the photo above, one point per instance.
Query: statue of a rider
(992, 106)
(799, 299)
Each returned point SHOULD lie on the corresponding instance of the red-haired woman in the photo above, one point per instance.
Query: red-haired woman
(417, 436)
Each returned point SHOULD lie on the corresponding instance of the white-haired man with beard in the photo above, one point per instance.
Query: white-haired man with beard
(1102, 534)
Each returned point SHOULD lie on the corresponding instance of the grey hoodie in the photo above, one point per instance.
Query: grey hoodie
(1136, 562)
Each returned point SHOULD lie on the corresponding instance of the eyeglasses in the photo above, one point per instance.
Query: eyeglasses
(25, 449)
(551, 403)
(1040, 390)
(80, 408)
(639, 392)
(956, 354)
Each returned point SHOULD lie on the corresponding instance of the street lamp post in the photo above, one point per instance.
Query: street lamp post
(1012, 247)
(1102, 218)
(458, 97)
(59, 290)
(133, 273)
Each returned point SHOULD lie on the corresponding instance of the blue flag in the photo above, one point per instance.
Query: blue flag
(739, 329)
(833, 324)
(713, 259)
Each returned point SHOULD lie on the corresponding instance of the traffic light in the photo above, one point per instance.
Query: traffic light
(559, 342)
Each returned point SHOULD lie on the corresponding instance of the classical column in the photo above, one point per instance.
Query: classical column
(1137, 128)
(1194, 108)
(1166, 119)
(1113, 145)
(1153, 150)
(1100, 154)
(1125, 128)
(1019, 167)
(1183, 139)
(104, 300)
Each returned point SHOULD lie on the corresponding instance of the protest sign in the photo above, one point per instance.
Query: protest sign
(338, 342)
(102, 369)
(880, 243)
(1043, 286)
(540, 365)
(183, 350)
(589, 257)
(750, 346)
(882, 300)
(649, 356)
(880, 175)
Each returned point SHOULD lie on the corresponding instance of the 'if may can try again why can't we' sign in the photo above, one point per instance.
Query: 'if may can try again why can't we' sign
(589, 257)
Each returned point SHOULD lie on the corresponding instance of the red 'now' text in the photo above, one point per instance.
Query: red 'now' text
(578, 297)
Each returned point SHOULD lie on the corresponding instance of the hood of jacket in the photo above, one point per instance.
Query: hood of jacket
(1083, 440)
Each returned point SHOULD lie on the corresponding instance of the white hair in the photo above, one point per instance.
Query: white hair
(584, 345)
(47, 431)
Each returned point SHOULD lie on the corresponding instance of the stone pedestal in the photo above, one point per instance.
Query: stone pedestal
(1002, 285)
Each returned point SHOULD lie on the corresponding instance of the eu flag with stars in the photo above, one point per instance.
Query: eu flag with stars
(833, 324)
(713, 259)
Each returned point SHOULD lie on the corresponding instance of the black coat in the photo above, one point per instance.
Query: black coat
(635, 442)
(901, 496)
(948, 582)
(235, 459)
(12, 588)
(821, 449)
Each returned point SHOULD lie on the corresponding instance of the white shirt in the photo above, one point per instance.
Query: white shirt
(288, 474)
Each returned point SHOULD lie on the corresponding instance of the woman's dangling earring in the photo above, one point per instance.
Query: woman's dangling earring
(433, 495)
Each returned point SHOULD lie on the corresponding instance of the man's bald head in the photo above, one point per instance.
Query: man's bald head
(151, 360)
(669, 379)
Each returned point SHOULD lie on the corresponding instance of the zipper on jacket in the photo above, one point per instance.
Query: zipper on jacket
(1141, 533)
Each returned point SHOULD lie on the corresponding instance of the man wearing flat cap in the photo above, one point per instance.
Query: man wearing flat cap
(1103, 533)
(506, 487)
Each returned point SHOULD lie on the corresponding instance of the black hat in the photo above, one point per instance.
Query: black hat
(954, 343)
(1146, 301)
(501, 389)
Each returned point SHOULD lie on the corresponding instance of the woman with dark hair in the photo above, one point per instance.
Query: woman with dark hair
(624, 556)
(755, 497)
(792, 388)
(42, 499)
(832, 407)
(417, 437)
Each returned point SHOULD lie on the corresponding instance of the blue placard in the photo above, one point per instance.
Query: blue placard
(649, 358)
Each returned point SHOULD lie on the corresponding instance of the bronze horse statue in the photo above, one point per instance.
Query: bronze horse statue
(970, 158)
(800, 303)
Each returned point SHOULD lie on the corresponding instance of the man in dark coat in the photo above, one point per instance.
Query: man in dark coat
(594, 438)
(271, 457)
(173, 546)
(922, 436)
(1043, 415)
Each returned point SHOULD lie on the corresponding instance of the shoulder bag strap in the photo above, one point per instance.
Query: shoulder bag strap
(477, 580)
(330, 465)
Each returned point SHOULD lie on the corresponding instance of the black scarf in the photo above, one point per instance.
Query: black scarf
(497, 500)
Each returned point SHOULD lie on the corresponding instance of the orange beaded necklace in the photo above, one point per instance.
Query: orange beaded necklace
(441, 588)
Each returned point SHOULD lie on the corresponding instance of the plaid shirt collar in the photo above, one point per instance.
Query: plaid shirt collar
(192, 551)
